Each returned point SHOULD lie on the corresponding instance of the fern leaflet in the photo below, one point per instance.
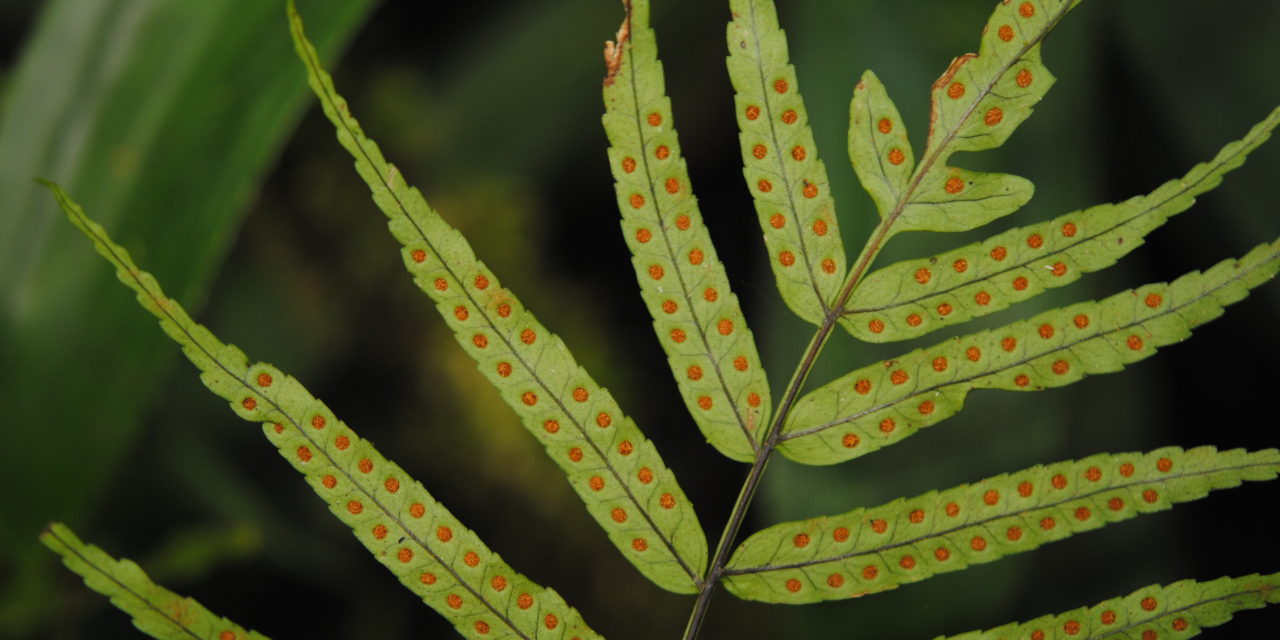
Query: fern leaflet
(883, 403)
(711, 351)
(878, 144)
(391, 514)
(913, 297)
(976, 105)
(156, 611)
(1180, 610)
(908, 540)
(613, 468)
(786, 178)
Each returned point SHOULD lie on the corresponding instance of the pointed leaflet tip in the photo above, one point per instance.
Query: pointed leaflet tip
(908, 540)
(710, 349)
(907, 299)
(879, 405)
(401, 524)
(878, 146)
(646, 516)
(156, 611)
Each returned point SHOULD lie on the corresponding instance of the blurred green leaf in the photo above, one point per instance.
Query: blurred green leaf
(149, 108)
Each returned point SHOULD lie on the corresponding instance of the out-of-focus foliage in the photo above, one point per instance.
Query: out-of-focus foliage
(167, 115)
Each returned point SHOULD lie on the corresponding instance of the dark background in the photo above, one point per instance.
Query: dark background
(493, 110)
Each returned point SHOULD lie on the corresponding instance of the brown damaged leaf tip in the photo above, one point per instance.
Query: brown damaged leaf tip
(950, 73)
(943, 81)
(613, 49)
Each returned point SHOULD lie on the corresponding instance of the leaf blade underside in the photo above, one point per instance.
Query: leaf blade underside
(1179, 610)
(878, 145)
(976, 104)
(883, 403)
(786, 179)
(914, 297)
(908, 540)
(612, 467)
(156, 611)
(711, 351)
(389, 512)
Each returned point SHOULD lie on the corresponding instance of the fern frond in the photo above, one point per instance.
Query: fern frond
(883, 403)
(908, 540)
(786, 178)
(914, 297)
(711, 351)
(615, 470)
(156, 611)
(1180, 610)
(391, 514)
(976, 105)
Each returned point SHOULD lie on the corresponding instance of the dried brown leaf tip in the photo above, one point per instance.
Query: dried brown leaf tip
(613, 49)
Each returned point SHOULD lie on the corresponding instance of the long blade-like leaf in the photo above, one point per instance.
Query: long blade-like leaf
(786, 178)
(908, 540)
(701, 327)
(977, 103)
(913, 297)
(1180, 610)
(391, 514)
(614, 469)
(883, 403)
(136, 105)
(156, 611)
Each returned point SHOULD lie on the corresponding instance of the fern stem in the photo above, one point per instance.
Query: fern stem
(752, 482)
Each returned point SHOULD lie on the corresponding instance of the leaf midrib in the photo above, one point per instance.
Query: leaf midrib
(582, 430)
(1187, 189)
(124, 587)
(781, 163)
(689, 301)
(162, 303)
(1027, 358)
(1011, 514)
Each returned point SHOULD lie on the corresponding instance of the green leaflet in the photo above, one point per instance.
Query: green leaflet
(614, 469)
(156, 611)
(913, 297)
(1179, 610)
(878, 144)
(977, 103)
(391, 514)
(908, 540)
(710, 349)
(783, 172)
(885, 402)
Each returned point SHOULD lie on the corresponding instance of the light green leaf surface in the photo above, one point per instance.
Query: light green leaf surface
(391, 514)
(784, 175)
(156, 611)
(1176, 611)
(883, 403)
(711, 351)
(977, 103)
(908, 540)
(878, 144)
(610, 464)
(914, 297)
(144, 107)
